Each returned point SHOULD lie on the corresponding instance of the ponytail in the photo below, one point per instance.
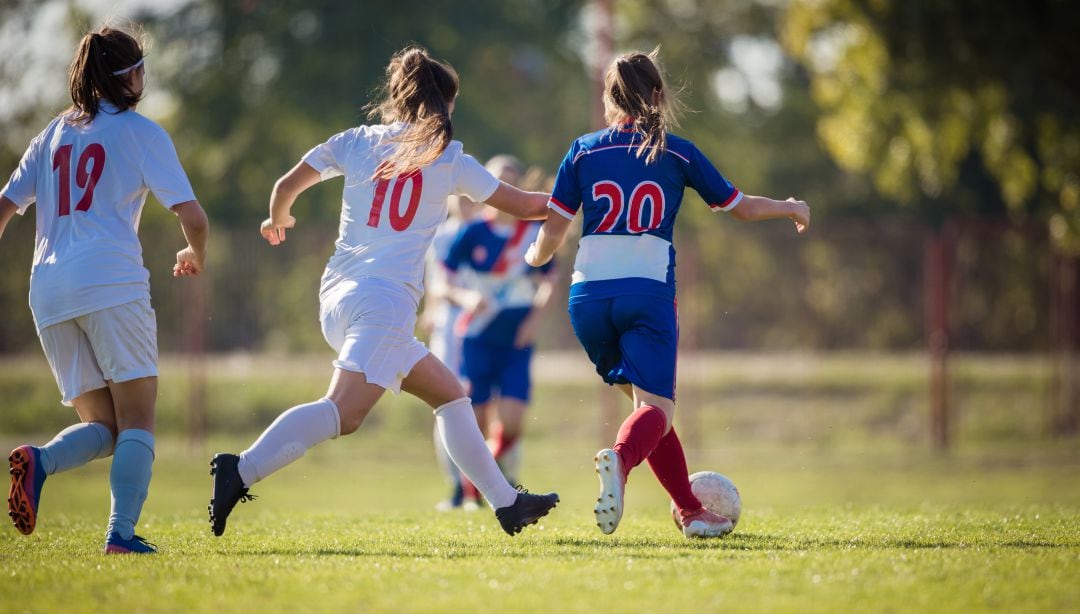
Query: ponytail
(100, 71)
(634, 91)
(418, 91)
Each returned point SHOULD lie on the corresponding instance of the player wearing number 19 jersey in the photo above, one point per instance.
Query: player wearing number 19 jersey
(628, 181)
(89, 172)
(398, 175)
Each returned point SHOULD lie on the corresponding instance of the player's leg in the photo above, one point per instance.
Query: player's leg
(515, 386)
(81, 384)
(133, 459)
(434, 384)
(447, 347)
(479, 365)
(372, 332)
(124, 340)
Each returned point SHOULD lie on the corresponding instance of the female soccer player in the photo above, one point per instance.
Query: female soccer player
(89, 172)
(630, 178)
(398, 175)
(503, 301)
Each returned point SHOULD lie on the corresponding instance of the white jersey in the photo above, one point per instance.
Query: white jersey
(90, 183)
(387, 225)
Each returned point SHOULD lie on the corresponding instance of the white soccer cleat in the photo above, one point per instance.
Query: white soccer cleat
(703, 523)
(609, 506)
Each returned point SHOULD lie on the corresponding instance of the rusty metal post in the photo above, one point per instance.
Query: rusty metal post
(936, 265)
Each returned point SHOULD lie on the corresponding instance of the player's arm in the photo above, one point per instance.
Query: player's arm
(518, 202)
(196, 228)
(756, 208)
(551, 237)
(286, 190)
(526, 334)
(7, 211)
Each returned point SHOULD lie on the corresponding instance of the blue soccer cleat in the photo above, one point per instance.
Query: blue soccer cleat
(114, 544)
(27, 476)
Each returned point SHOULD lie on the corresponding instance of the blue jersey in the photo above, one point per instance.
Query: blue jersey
(490, 258)
(629, 210)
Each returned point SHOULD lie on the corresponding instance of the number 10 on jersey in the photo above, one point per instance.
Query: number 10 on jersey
(399, 220)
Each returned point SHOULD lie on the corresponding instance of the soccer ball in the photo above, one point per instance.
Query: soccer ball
(717, 493)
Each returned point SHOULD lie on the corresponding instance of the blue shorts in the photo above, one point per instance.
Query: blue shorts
(631, 339)
(489, 366)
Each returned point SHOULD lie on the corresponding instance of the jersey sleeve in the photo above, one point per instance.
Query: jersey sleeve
(566, 195)
(164, 175)
(718, 192)
(473, 180)
(458, 252)
(21, 188)
(328, 158)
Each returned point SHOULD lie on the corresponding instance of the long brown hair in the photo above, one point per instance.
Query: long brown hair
(92, 77)
(634, 90)
(418, 91)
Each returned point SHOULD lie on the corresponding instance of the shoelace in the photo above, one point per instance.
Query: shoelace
(245, 497)
(521, 489)
(143, 541)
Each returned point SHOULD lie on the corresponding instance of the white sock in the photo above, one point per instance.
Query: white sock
(75, 446)
(461, 436)
(295, 431)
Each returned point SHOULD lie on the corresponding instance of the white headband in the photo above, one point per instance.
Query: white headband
(124, 71)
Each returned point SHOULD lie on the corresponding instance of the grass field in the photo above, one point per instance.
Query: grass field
(843, 511)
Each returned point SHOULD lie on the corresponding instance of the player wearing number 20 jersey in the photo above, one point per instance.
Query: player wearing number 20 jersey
(629, 180)
(629, 210)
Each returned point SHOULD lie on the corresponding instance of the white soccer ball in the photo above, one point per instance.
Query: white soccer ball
(717, 493)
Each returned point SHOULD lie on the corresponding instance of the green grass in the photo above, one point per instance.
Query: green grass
(844, 508)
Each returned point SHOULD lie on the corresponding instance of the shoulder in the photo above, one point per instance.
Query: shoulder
(681, 148)
(454, 152)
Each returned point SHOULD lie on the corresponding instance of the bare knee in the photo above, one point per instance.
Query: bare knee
(351, 418)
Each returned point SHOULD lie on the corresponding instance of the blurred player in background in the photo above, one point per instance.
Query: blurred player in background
(502, 301)
(89, 172)
(398, 176)
(629, 180)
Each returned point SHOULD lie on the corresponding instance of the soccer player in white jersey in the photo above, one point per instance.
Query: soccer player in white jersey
(398, 175)
(89, 172)
(628, 181)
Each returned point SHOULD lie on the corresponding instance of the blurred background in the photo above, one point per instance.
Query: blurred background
(932, 306)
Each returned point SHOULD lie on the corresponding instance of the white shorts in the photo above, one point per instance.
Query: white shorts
(370, 324)
(116, 344)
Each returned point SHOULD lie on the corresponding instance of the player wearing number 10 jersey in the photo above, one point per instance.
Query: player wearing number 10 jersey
(398, 175)
(629, 180)
(89, 172)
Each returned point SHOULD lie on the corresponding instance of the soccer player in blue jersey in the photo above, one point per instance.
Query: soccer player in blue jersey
(502, 300)
(628, 181)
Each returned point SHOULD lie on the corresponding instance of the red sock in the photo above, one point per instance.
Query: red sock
(639, 435)
(503, 442)
(471, 492)
(668, 463)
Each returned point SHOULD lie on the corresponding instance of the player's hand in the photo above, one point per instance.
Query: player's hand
(800, 215)
(188, 263)
(275, 233)
(532, 256)
(526, 334)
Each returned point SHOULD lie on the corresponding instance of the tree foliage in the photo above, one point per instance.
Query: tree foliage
(928, 97)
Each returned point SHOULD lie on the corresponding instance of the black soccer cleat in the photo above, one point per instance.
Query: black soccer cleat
(228, 490)
(527, 509)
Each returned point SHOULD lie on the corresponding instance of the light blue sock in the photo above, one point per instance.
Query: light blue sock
(130, 479)
(75, 446)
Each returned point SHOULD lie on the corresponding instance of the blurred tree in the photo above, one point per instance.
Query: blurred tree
(918, 94)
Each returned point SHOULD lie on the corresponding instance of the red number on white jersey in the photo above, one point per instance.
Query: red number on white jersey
(399, 220)
(86, 176)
